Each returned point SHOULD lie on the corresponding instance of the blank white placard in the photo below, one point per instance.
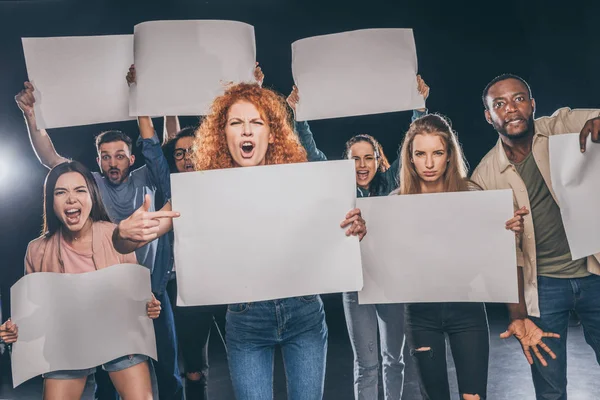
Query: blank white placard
(576, 183)
(79, 80)
(261, 233)
(80, 321)
(181, 66)
(362, 72)
(444, 247)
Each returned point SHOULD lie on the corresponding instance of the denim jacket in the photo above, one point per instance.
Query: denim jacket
(160, 177)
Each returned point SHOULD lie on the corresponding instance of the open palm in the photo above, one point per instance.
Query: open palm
(530, 336)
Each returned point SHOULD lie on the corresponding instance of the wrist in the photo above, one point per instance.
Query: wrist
(29, 118)
(517, 311)
(517, 315)
(117, 234)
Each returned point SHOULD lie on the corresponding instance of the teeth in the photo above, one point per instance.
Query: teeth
(72, 210)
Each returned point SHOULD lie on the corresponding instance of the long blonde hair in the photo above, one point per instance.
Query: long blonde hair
(455, 176)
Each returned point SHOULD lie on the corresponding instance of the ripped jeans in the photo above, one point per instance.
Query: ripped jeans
(467, 329)
(362, 321)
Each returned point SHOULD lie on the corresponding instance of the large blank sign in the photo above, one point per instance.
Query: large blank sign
(79, 80)
(447, 247)
(262, 233)
(576, 182)
(361, 72)
(80, 321)
(182, 66)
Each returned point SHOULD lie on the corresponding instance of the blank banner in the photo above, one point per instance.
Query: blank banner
(360, 72)
(80, 321)
(181, 66)
(445, 247)
(79, 80)
(262, 233)
(576, 183)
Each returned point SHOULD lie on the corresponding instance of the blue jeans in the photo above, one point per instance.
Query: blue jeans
(253, 330)
(362, 322)
(118, 364)
(557, 297)
(170, 386)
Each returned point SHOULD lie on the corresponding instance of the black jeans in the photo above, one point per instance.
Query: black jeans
(466, 325)
(194, 326)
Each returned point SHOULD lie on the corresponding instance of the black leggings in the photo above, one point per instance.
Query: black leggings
(467, 329)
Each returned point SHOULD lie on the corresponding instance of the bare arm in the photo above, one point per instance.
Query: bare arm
(40, 141)
(123, 245)
(146, 127)
(170, 129)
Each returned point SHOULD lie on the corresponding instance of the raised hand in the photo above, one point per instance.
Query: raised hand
(422, 87)
(357, 225)
(131, 78)
(591, 127)
(516, 224)
(293, 98)
(153, 308)
(259, 76)
(25, 100)
(530, 336)
(9, 332)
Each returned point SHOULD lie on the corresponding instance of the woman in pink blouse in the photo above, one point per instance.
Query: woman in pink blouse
(77, 238)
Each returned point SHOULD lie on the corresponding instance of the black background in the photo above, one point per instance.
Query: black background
(460, 45)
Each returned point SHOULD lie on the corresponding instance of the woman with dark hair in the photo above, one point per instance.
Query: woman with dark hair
(76, 238)
(179, 150)
(249, 126)
(432, 161)
(369, 324)
(374, 175)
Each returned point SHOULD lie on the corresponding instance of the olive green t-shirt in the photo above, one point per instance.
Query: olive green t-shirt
(551, 246)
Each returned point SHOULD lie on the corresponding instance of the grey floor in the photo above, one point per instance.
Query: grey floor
(509, 374)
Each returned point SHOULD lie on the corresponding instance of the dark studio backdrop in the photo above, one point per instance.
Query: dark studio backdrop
(461, 46)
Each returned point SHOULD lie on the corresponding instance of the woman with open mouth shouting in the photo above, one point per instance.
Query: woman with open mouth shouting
(77, 238)
(249, 126)
(374, 177)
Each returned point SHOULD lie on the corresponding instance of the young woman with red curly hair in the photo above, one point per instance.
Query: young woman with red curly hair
(250, 126)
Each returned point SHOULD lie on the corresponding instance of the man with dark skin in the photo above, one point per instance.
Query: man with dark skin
(551, 284)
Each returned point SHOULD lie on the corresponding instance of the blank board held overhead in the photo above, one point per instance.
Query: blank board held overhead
(360, 72)
(79, 80)
(182, 66)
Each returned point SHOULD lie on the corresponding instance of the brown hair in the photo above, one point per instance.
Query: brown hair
(51, 221)
(377, 184)
(455, 176)
(212, 151)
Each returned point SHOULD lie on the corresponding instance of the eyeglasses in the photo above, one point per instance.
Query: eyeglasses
(179, 154)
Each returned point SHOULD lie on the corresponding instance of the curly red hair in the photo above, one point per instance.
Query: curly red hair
(212, 151)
